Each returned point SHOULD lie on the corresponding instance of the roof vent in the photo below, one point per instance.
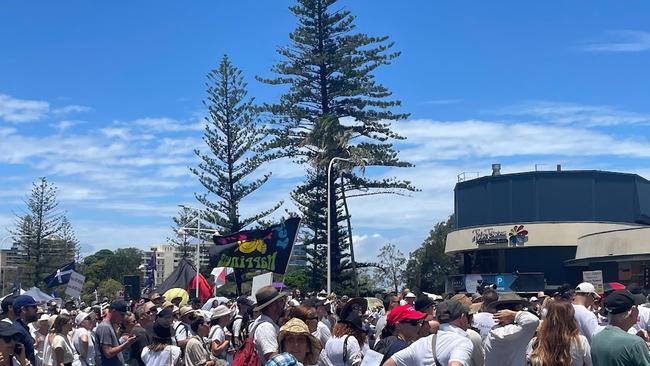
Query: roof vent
(496, 169)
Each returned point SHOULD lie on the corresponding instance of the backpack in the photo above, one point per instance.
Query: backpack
(247, 354)
(237, 342)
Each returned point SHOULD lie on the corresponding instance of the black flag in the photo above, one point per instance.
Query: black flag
(266, 249)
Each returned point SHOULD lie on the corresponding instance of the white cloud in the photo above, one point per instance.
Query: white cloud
(62, 126)
(71, 192)
(22, 110)
(621, 41)
(168, 124)
(437, 140)
(574, 114)
(71, 109)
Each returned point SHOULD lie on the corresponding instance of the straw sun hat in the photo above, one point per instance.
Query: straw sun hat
(297, 326)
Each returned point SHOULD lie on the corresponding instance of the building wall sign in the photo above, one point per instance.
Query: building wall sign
(535, 234)
(517, 236)
(489, 236)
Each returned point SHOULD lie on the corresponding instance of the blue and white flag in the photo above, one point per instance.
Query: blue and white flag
(60, 276)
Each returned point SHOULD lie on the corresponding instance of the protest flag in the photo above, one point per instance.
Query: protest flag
(220, 274)
(266, 249)
(60, 276)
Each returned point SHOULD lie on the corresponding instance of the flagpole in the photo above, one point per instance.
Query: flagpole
(198, 254)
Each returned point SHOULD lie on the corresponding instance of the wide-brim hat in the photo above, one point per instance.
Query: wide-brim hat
(187, 310)
(162, 330)
(508, 298)
(347, 308)
(297, 326)
(220, 311)
(353, 320)
(266, 296)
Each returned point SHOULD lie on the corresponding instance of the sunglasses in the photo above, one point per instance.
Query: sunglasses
(414, 322)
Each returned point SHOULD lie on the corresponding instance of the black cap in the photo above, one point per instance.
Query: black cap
(119, 305)
(620, 301)
(245, 300)
(423, 302)
(164, 313)
(7, 330)
(450, 310)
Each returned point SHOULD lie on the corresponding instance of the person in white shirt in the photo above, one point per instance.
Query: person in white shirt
(585, 294)
(506, 344)
(218, 335)
(348, 343)
(642, 326)
(265, 328)
(182, 329)
(484, 320)
(390, 301)
(83, 339)
(452, 344)
(241, 321)
(160, 352)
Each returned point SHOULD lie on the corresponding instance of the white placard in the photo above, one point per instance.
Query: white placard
(75, 285)
(595, 278)
(372, 358)
(260, 281)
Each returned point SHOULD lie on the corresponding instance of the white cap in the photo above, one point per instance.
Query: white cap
(533, 298)
(587, 288)
(410, 295)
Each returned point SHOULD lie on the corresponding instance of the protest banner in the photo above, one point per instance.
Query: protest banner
(75, 285)
(595, 278)
(266, 249)
(260, 281)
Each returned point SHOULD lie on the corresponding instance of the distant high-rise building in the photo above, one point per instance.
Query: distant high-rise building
(298, 257)
(168, 256)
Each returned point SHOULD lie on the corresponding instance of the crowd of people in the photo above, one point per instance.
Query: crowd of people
(574, 326)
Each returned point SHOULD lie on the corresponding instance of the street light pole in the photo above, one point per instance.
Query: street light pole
(329, 224)
(198, 245)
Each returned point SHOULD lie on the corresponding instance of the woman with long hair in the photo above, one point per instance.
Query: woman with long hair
(345, 347)
(558, 340)
(161, 352)
(61, 346)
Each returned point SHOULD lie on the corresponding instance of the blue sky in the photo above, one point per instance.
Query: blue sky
(105, 99)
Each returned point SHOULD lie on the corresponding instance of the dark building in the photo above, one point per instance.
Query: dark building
(544, 228)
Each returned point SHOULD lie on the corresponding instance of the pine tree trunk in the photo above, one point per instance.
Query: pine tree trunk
(355, 279)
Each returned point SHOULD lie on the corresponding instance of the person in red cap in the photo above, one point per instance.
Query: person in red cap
(402, 326)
